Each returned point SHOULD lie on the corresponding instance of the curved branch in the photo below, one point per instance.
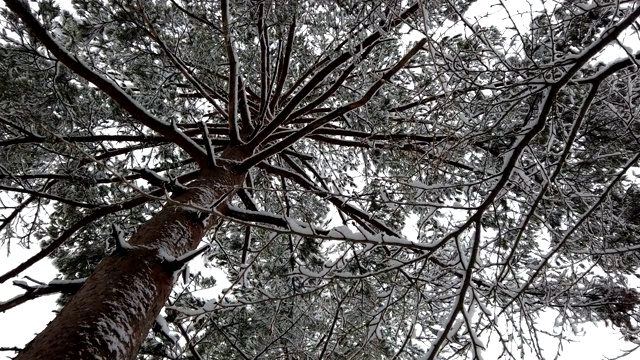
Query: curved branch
(135, 109)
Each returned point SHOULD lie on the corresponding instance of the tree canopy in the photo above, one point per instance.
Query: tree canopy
(377, 179)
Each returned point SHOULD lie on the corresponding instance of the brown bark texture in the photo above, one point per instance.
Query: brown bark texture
(112, 313)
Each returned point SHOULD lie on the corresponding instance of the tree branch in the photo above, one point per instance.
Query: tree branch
(34, 292)
(135, 109)
(284, 59)
(88, 219)
(284, 114)
(232, 106)
(311, 127)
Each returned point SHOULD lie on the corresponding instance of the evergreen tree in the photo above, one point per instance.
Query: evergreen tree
(289, 143)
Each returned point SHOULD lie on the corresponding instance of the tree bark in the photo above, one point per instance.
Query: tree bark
(112, 313)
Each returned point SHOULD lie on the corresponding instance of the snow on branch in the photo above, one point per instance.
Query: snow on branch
(160, 181)
(160, 326)
(36, 291)
(173, 264)
(135, 109)
(343, 233)
(610, 69)
(312, 126)
(322, 74)
(121, 244)
(341, 204)
(80, 224)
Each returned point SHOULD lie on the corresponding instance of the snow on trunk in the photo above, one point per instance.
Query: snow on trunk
(112, 313)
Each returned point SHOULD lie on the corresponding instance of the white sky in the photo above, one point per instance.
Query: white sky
(20, 324)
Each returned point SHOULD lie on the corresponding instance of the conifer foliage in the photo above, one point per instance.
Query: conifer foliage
(376, 179)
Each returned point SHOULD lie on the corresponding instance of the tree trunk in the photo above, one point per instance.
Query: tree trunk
(112, 313)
